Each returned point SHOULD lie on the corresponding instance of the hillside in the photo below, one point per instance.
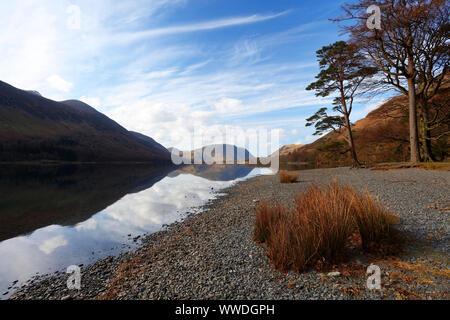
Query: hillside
(287, 149)
(382, 136)
(150, 142)
(35, 128)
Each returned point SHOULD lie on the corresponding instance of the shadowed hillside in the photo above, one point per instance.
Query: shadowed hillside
(35, 128)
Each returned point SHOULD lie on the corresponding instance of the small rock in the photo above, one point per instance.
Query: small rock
(66, 298)
(334, 274)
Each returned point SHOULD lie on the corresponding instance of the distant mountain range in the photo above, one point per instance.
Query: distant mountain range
(35, 128)
(207, 153)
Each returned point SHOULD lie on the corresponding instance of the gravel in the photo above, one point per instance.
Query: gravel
(211, 255)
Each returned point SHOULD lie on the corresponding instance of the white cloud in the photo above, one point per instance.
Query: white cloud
(161, 88)
(361, 111)
(27, 41)
(92, 101)
(194, 67)
(50, 245)
(228, 105)
(202, 26)
(309, 139)
(159, 74)
(90, 224)
(246, 51)
(58, 83)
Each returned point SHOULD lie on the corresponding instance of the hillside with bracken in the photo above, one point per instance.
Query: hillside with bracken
(382, 136)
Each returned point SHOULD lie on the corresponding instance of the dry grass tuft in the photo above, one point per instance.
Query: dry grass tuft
(266, 218)
(317, 231)
(288, 177)
(374, 222)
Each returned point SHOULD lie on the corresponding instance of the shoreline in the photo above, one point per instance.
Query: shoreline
(212, 255)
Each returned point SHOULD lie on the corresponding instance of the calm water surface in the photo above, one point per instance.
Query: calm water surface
(53, 217)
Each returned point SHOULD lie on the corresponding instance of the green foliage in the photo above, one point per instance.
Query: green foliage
(342, 66)
(343, 69)
(324, 122)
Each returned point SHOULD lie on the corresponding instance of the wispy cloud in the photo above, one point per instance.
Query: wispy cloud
(202, 26)
(194, 67)
(176, 78)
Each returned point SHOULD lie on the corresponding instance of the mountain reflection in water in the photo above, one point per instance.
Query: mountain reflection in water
(52, 217)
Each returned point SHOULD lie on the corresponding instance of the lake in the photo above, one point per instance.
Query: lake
(52, 217)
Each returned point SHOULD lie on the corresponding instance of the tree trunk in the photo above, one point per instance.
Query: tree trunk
(425, 133)
(413, 133)
(350, 141)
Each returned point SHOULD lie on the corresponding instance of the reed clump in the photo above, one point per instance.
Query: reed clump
(316, 230)
(288, 177)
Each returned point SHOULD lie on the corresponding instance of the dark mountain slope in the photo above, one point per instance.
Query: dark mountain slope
(35, 128)
(150, 142)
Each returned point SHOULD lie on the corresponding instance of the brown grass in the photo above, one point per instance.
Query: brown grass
(373, 221)
(288, 177)
(265, 219)
(316, 231)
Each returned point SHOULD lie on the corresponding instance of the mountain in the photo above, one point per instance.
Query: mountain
(34, 92)
(382, 136)
(150, 142)
(285, 150)
(35, 128)
(241, 155)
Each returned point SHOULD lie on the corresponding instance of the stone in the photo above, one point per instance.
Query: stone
(334, 274)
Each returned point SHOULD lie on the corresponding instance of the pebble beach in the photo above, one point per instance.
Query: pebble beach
(212, 255)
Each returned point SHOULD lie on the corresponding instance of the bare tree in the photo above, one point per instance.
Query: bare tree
(433, 65)
(397, 47)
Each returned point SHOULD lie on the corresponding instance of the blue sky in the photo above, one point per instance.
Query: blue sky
(165, 67)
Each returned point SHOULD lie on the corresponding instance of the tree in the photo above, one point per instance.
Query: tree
(432, 75)
(399, 47)
(343, 71)
(324, 122)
